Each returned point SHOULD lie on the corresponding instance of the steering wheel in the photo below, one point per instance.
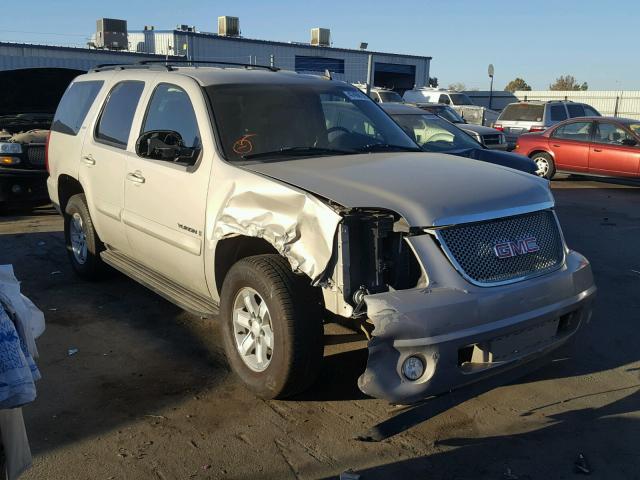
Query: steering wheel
(440, 137)
(337, 129)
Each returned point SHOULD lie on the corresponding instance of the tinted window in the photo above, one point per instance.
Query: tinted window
(575, 110)
(590, 111)
(117, 114)
(279, 122)
(171, 109)
(577, 131)
(611, 134)
(434, 134)
(444, 99)
(390, 97)
(461, 99)
(74, 105)
(557, 113)
(523, 112)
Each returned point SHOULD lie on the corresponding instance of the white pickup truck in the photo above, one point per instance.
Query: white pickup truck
(249, 194)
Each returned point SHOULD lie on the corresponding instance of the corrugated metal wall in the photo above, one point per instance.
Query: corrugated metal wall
(628, 101)
(17, 56)
(209, 47)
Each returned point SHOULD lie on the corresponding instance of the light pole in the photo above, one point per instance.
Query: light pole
(490, 71)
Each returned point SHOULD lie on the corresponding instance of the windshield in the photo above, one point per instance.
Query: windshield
(434, 134)
(267, 122)
(527, 112)
(460, 99)
(390, 97)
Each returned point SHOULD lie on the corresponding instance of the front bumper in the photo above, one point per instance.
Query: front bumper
(23, 187)
(521, 322)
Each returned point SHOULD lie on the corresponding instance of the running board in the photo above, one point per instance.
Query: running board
(186, 299)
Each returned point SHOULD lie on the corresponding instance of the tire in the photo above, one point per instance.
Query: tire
(293, 313)
(545, 164)
(88, 266)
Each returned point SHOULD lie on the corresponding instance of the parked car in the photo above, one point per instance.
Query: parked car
(459, 101)
(435, 134)
(26, 112)
(489, 137)
(525, 117)
(284, 207)
(379, 94)
(595, 146)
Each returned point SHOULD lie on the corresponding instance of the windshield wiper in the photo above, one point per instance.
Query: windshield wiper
(299, 151)
(386, 147)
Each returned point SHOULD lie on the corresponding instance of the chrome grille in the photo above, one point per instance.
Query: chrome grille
(471, 247)
(35, 153)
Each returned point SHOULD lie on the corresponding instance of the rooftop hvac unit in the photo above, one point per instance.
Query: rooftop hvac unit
(229, 26)
(111, 34)
(320, 37)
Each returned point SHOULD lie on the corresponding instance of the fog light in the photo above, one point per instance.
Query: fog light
(9, 160)
(413, 368)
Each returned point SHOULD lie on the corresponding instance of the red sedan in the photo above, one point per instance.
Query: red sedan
(591, 145)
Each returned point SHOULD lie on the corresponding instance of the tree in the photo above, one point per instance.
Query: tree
(433, 82)
(517, 84)
(457, 87)
(568, 82)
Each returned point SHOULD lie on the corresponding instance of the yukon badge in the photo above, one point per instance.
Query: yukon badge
(512, 249)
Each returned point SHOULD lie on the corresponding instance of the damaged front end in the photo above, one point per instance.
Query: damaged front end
(432, 327)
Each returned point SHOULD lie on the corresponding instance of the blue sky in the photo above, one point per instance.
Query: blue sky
(537, 40)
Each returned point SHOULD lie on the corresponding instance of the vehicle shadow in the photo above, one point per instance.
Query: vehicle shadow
(600, 434)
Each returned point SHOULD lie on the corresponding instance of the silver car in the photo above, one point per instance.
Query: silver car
(525, 117)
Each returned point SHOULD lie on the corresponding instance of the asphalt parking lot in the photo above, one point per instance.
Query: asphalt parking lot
(148, 394)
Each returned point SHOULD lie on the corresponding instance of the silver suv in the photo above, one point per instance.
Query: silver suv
(525, 117)
(274, 201)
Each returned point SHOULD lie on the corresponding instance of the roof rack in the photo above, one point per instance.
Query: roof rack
(168, 64)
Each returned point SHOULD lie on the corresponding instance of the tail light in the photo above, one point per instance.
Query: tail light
(537, 129)
(46, 152)
(499, 127)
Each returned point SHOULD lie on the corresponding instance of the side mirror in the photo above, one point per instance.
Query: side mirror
(164, 145)
(629, 142)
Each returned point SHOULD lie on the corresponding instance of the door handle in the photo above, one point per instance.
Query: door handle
(135, 177)
(88, 159)
(597, 150)
(555, 145)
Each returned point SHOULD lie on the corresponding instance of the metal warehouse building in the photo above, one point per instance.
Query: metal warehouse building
(390, 70)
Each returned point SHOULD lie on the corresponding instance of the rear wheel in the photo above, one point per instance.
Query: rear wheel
(272, 326)
(82, 241)
(544, 165)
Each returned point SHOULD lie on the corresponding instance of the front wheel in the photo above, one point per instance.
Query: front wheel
(545, 167)
(272, 326)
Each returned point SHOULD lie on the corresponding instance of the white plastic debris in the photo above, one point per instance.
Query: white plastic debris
(72, 351)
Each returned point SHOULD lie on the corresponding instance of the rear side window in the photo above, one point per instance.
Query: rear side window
(522, 112)
(444, 99)
(576, 131)
(575, 110)
(74, 105)
(557, 113)
(117, 114)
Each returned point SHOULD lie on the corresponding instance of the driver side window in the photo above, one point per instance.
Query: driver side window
(170, 109)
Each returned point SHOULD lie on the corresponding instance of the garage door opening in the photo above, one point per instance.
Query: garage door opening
(395, 76)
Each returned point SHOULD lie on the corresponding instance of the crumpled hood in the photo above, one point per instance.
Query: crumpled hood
(427, 189)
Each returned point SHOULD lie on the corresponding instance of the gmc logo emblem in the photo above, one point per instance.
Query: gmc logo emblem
(513, 249)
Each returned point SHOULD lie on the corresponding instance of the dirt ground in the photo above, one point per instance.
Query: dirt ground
(148, 394)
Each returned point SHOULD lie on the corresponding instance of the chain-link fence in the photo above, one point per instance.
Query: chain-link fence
(613, 103)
